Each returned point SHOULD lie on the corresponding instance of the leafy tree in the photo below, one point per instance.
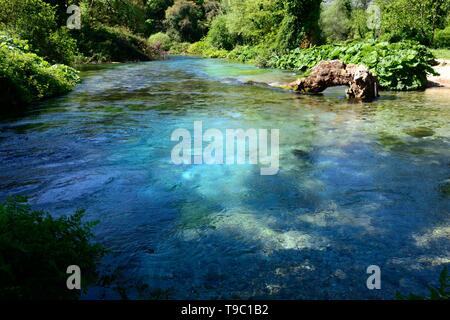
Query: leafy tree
(184, 21)
(280, 24)
(300, 27)
(102, 43)
(156, 13)
(335, 19)
(212, 9)
(123, 13)
(61, 9)
(219, 36)
(254, 20)
(36, 249)
(413, 19)
(161, 40)
(442, 38)
(35, 21)
(26, 77)
(358, 23)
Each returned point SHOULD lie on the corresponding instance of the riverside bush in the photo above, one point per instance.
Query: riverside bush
(25, 77)
(442, 38)
(205, 49)
(36, 22)
(160, 39)
(258, 55)
(102, 43)
(401, 66)
(36, 249)
(180, 48)
(219, 36)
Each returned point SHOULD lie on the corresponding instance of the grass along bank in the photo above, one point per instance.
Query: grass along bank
(441, 53)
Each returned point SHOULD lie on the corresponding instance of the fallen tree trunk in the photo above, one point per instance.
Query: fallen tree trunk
(363, 85)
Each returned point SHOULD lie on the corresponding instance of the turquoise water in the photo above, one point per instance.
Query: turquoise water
(359, 184)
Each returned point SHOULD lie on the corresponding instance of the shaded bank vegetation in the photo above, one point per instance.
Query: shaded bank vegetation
(36, 249)
(26, 77)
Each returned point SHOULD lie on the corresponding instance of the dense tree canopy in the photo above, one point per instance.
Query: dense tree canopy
(413, 19)
(336, 19)
(156, 13)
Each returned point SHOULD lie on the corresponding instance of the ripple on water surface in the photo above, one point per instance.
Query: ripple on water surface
(359, 184)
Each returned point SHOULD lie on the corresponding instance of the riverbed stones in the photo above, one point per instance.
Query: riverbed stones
(362, 84)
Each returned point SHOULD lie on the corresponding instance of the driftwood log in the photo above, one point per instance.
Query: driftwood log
(363, 85)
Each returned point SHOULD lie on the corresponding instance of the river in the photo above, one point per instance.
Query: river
(359, 184)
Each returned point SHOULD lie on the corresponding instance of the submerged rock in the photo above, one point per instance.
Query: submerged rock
(363, 85)
(301, 154)
(419, 132)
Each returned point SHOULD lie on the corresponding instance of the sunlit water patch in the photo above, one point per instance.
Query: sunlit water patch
(359, 184)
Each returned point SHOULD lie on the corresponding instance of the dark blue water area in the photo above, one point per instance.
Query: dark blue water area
(359, 184)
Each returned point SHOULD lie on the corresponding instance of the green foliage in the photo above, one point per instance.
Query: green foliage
(335, 19)
(35, 21)
(204, 48)
(442, 53)
(101, 43)
(184, 21)
(300, 24)
(181, 17)
(254, 21)
(358, 23)
(161, 40)
(440, 293)
(274, 24)
(413, 19)
(180, 48)
(348, 19)
(212, 9)
(219, 36)
(26, 77)
(156, 13)
(130, 14)
(442, 38)
(258, 55)
(36, 249)
(399, 66)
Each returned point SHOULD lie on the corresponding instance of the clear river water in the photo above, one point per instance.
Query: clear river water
(359, 184)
